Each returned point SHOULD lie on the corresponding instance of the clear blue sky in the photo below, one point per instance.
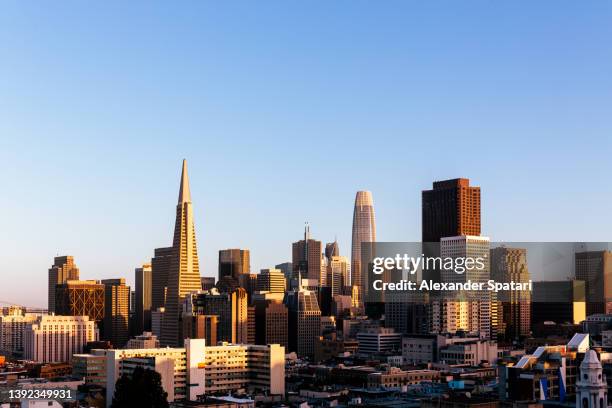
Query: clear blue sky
(284, 110)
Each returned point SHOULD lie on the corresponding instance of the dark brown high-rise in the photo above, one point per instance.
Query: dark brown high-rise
(160, 267)
(116, 311)
(450, 209)
(234, 262)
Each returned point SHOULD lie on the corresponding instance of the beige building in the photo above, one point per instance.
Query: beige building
(145, 340)
(271, 280)
(184, 273)
(196, 369)
(338, 274)
(233, 367)
(53, 339)
(12, 325)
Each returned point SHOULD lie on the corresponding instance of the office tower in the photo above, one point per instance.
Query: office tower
(251, 324)
(510, 265)
(234, 262)
(63, 269)
(53, 339)
(160, 268)
(142, 298)
(450, 209)
(332, 249)
(13, 322)
(157, 317)
(196, 326)
(287, 269)
(272, 317)
(469, 310)
(307, 257)
(558, 301)
(364, 230)
(208, 282)
(116, 311)
(271, 280)
(338, 274)
(184, 274)
(304, 320)
(231, 309)
(595, 269)
(248, 282)
(80, 298)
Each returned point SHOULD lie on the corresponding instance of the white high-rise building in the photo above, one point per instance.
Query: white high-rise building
(467, 310)
(194, 370)
(53, 339)
(12, 325)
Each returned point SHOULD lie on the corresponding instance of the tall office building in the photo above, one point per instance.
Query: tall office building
(116, 311)
(62, 270)
(271, 280)
(160, 269)
(469, 311)
(332, 249)
(52, 339)
(196, 326)
(450, 209)
(142, 299)
(338, 274)
(307, 258)
(272, 318)
(364, 230)
(231, 309)
(287, 269)
(304, 317)
(184, 274)
(595, 269)
(80, 298)
(514, 313)
(234, 262)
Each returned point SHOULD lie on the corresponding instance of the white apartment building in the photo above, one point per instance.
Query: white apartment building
(52, 339)
(12, 327)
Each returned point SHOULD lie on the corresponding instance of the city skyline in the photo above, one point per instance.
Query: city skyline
(284, 113)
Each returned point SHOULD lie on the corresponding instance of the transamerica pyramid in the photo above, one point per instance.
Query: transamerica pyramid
(184, 273)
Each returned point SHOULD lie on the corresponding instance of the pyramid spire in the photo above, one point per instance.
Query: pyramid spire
(184, 192)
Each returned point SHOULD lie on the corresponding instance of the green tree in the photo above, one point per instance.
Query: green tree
(142, 389)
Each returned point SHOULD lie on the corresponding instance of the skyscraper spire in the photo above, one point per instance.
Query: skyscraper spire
(184, 192)
(184, 271)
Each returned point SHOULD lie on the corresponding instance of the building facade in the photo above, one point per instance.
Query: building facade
(53, 339)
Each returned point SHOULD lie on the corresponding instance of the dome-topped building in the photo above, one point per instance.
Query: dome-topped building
(591, 388)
